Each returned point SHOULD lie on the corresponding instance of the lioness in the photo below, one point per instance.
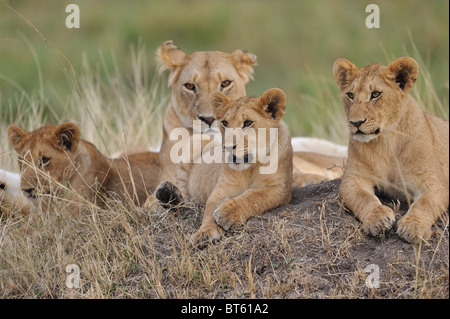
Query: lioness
(193, 77)
(54, 156)
(394, 148)
(245, 185)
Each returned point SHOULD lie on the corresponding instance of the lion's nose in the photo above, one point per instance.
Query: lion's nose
(208, 120)
(357, 124)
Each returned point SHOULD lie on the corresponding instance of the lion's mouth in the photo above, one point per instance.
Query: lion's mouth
(247, 158)
(363, 137)
(237, 160)
(359, 132)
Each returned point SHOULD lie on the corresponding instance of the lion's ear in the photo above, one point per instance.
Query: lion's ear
(273, 102)
(404, 71)
(16, 135)
(243, 62)
(67, 136)
(220, 104)
(169, 56)
(344, 72)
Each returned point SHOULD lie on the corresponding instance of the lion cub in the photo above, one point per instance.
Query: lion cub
(54, 158)
(248, 181)
(394, 148)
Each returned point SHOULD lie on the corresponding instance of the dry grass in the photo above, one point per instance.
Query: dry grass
(310, 248)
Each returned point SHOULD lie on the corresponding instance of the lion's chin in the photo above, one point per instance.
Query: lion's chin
(364, 137)
(211, 131)
(239, 166)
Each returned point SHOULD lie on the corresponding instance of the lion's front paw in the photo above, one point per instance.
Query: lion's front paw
(413, 228)
(379, 220)
(226, 215)
(168, 193)
(206, 234)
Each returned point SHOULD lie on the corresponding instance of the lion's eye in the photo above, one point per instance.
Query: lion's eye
(224, 84)
(248, 123)
(350, 95)
(375, 94)
(225, 123)
(43, 161)
(190, 87)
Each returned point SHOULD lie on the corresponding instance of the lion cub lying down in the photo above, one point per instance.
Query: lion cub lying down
(394, 147)
(235, 190)
(53, 159)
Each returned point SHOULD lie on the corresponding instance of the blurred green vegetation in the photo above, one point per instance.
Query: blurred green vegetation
(296, 43)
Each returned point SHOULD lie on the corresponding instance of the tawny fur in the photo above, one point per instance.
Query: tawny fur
(398, 149)
(54, 156)
(308, 167)
(318, 146)
(209, 72)
(232, 193)
(193, 77)
(312, 168)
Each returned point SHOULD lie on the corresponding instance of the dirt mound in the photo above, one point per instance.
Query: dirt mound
(310, 248)
(332, 254)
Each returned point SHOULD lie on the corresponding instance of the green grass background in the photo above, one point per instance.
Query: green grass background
(296, 43)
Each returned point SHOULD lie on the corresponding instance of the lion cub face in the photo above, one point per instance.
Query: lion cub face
(373, 95)
(195, 76)
(45, 155)
(246, 123)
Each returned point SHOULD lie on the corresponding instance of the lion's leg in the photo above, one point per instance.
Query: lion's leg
(423, 213)
(167, 191)
(183, 173)
(209, 230)
(358, 195)
(252, 202)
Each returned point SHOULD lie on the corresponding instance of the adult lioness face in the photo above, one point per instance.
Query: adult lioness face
(195, 76)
